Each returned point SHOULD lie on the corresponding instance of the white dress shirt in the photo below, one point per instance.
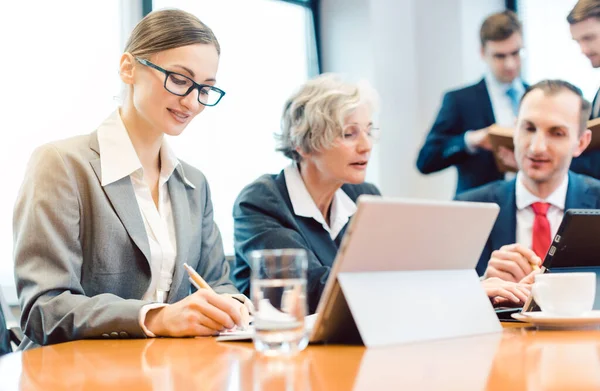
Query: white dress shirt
(342, 206)
(118, 159)
(501, 103)
(501, 107)
(526, 215)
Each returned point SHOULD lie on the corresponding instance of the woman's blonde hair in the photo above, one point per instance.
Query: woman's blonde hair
(313, 118)
(168, 29)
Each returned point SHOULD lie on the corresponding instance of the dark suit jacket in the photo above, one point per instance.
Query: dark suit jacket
(469, 108)
(4, 335)
(264, 219)
(583, 193)
(589, 161)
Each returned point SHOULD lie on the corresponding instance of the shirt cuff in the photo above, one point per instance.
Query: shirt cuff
(471, 149)
(142, 317)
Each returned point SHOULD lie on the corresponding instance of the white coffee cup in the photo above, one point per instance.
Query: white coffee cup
(565, 294)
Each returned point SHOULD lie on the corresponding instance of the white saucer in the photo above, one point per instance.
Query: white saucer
(588, 320)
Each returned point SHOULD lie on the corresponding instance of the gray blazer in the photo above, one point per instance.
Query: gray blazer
(81, 250)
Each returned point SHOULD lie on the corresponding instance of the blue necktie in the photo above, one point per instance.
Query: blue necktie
(513, 95)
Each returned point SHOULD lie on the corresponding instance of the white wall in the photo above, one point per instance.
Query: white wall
(74, 61)
(412, 51)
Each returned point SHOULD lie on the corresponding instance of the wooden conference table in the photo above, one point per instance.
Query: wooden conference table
(520, 358)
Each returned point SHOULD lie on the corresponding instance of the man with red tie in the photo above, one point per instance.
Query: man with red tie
(551, 131)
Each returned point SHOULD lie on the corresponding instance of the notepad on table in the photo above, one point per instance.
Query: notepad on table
(246, 335)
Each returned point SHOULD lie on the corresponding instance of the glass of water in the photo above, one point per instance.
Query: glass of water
(278, 291)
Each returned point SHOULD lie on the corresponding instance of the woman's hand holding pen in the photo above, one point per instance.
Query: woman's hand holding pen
(202, 313)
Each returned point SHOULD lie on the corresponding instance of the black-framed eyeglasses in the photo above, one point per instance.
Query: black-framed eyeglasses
(181, 85)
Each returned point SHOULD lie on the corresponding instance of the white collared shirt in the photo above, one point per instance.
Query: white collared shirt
(342, 207)
(501, 103)
(118, 159)
(501, 107)
(526, 216)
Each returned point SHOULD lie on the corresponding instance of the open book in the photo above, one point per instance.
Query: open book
(501, 136)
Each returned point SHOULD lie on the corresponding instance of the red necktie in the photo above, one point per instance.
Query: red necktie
(541, 229)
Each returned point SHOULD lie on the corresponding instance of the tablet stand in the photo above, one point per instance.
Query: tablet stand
(409, 306)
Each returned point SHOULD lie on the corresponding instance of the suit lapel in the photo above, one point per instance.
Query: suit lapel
(505, 197)
(122, 198)
(182, 219)
(577, 194)
(594, 111)
(486, 102)
(316, 237)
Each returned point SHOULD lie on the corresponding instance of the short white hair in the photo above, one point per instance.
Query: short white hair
(313, 117)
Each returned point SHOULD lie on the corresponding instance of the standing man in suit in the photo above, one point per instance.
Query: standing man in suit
(459, 136)
(551, 131)
(584, 23)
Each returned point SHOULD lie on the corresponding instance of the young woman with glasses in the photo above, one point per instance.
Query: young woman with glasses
(104, 222)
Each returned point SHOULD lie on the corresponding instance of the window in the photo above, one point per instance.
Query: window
(550, 51)
(60, 79)
(267, 52)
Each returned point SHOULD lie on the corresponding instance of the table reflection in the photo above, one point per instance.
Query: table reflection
(452, 364)
(560, 365)
(175, 364)
(517, 359)
(534, 360)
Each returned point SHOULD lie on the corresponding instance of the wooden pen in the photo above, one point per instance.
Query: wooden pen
(197, 278)
(199, 283)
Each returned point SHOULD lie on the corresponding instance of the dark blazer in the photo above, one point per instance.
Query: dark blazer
(264, 219)
(583, 192)
(589, 161)
(4, 335)
(469, 108)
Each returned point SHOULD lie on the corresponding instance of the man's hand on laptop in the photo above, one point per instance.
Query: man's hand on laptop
(530, 278)
(512, 262)
(507, 293)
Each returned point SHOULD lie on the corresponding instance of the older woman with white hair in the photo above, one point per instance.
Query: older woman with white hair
(327, 132)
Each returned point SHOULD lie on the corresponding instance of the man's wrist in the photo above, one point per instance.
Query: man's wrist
(470, 144)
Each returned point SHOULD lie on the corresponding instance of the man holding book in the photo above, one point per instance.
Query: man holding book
(459, 136)
(551, 130)
(584, 23)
